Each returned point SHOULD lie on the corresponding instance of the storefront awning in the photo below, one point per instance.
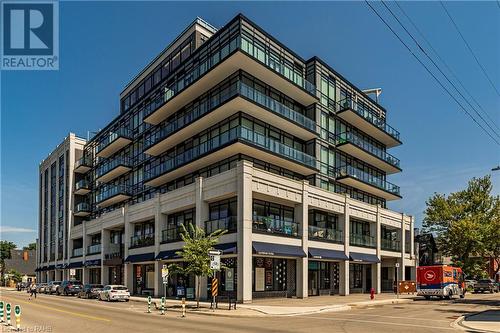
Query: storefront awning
(90, 263)
(363, 257)
(76, 264)
(327, 254)
(166, 255)
(271, 249)
(141, 257)
(227, 248)
(51, 267)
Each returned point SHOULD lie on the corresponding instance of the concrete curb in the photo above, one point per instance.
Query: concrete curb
(381, 302)
(459, 324)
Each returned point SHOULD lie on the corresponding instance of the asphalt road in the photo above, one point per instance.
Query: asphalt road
(69, 314)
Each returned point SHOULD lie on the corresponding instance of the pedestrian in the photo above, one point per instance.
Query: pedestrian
(32, 291)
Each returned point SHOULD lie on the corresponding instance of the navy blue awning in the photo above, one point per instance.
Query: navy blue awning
(51, 267)
(227, 248)
(327, 254)
(271, 249)
(363, 257)
(95, 262)
(76, 264)
(150, 256)
(169, 254)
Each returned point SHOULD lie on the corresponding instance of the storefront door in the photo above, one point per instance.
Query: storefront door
(313, 283)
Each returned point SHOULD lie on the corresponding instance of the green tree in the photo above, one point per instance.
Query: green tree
(31, 246)
(195, 254)
(15, 275)
(5, 248)
(463, 223)
(491, 233)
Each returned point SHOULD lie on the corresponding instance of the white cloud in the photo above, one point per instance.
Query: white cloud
(7, 229)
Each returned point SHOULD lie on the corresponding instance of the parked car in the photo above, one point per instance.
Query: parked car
(486, 285)
(90, 291)
(470, 283)
(69, 287)
(52, 287)
(40, 288)
(114, 293)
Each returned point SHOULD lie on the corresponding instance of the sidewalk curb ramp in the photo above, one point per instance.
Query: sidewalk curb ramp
(459, 324)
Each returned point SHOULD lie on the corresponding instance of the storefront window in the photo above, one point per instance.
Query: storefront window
(144, 279)
(270, 274)
(355, 276)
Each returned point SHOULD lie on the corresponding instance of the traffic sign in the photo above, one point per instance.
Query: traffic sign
(17, 310)
(164, 274)
(397, 265)
(215, 262)
(8, 308)
(214, 252)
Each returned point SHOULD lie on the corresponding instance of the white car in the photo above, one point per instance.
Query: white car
(114, 292)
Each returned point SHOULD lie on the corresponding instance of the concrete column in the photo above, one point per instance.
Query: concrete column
(105, 242)
(128, 271)
(301, 216)
(344, 267)
(401, 273)
(128, 278)
(412, 238)
(202, 212)
(244, 240)
(158, 281)
(376, 268)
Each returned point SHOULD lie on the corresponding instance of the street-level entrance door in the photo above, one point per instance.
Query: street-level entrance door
(313, 282)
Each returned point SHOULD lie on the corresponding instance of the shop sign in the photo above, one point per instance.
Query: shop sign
(180, 291)
(72, 272)
(230, 279)
(189, 293)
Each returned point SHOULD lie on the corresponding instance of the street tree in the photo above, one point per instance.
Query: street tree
(5, 248)
(464, 224)
(195, 254)
(30, 246)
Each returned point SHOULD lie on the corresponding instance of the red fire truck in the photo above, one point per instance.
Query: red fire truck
(441, 281)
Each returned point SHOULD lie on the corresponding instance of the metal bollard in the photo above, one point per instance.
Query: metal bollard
(8, 313)
(183, 307)
(1, 311)
(162, 306)
(17, 312)
(149, 304)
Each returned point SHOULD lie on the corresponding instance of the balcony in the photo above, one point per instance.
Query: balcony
(171, 234)
(78, 252)
(94, 249)
(198, 80)
(366, 120)
(351, 176)
(112, 194)
(229, 223)
(113, 142)
(112, 169)
(83, 165)
(238, 139)
(82, 209)
(356, 146)
(142, 240)
(390, 245)
(362, 240)
(326, 234)
(82, 187)
(114, 255)
(238, 97)
(271, 225)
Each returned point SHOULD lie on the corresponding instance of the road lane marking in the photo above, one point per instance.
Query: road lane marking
(383, 323)
(393, 317)
(64, 311)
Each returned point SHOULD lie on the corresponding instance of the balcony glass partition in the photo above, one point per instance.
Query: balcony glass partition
(362, 240)
(109, 165)
(111, 136)
(228, 223)
(110, 191)
(267, 224)
(351, 171)
(327, 234)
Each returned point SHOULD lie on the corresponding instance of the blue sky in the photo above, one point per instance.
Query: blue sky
(103, 45)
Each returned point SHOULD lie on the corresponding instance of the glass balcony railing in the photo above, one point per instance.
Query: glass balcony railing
(114, 251)
(82, 207)
(237, 88)
(111, 164)
(229, 223)
(83, 161)
(267, 224)
(112, 136)
(236, 133)
(390, 245)
(362, 240)
(368, 115)
(327, 234)
(94, 249)
(142, 240)
(361, 143)
(194, 73)
(351, 171)
(82, 184)
(172, 234)
(111, 191)
(78, 252)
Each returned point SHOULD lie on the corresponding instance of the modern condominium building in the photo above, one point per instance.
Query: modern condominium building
(229, 129)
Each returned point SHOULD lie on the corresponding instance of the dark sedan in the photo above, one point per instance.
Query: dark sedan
(90, 291)
(69, 287)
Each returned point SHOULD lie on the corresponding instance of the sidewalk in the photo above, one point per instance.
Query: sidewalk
(285, 306)
(486, 321)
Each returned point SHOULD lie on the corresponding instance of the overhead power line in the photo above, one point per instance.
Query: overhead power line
(429, 71)
(470, 49)
(439, 68)
(455, 76)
